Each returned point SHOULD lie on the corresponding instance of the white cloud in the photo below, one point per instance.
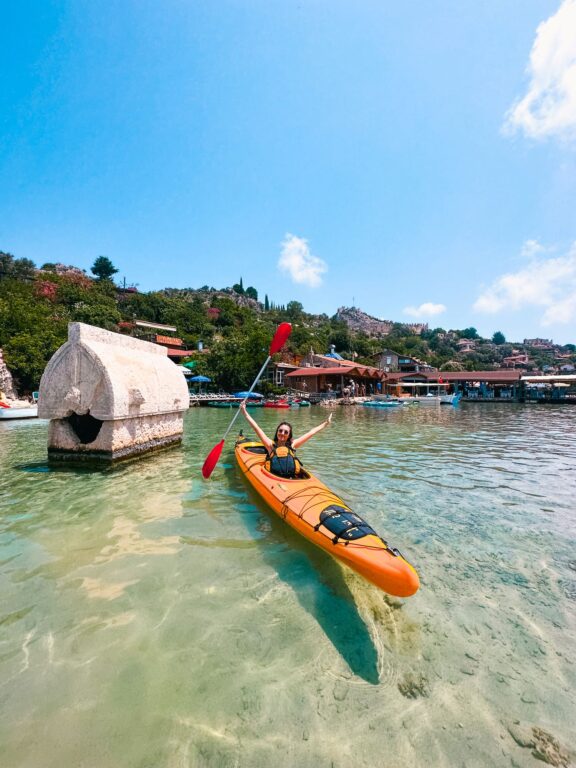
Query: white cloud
(427, 309)
(531, 248)
(302, 266)
(549, 106)
(548, 283)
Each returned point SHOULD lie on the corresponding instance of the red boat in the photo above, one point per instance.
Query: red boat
(276, 404)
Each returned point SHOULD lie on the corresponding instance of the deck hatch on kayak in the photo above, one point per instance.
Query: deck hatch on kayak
(344, 524)
(256, 449)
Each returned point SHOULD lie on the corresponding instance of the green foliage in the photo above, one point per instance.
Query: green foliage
(468, 333)
(31, 330)
(252, 293)
(103, 268)
(26, 354)
(294, 310)
(19, 269)
(266, 303)
(103, 313)
(498, 338)
(236, 360)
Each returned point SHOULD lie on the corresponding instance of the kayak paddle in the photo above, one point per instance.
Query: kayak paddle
(280, 337)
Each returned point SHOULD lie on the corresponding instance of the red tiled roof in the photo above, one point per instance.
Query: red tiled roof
(355, 370)
(169, 341)
(180, 352)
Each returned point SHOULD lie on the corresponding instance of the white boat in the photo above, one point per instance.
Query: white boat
(30, 412)
(423, 393)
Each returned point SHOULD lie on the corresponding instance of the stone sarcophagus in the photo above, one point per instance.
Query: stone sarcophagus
(110, 397)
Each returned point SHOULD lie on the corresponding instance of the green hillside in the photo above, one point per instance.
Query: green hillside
(36, 305)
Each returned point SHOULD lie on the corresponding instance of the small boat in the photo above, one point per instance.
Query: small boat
(10, 413)
(276, 404)
(423, 393)
(317, 513)
(382, 403)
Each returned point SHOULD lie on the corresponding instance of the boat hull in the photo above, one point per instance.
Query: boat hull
(382, 403)
(309, 507)
(9, 414)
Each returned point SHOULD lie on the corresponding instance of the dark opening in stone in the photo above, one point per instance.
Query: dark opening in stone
(86, 428)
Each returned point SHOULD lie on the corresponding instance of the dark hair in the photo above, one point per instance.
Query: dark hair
(284, 424)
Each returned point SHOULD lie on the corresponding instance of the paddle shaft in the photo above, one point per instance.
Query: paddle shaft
(256, 380)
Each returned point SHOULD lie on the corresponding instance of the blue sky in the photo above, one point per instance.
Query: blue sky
(416, 159)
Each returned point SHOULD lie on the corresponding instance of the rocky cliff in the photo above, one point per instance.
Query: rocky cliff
(373, 326)
(6, 383)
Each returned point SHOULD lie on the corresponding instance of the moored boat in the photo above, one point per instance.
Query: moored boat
(422, 393)
(276, 404)
(382, 403)
(30, 412)
(318, 514)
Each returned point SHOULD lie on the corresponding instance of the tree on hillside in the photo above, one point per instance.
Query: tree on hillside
(468, 333)
(19, 269)
(252, 293)
(294, 310)
(498, 338)
(452, 365)
(266, 304)
(239, 287)
(103, 268)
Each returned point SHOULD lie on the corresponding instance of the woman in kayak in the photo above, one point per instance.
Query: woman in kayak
(282, 459)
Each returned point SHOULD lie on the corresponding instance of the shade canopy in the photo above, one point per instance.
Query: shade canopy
(252, 395)
(191, 364)
(200, 379)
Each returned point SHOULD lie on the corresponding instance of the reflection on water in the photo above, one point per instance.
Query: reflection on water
(151, 618)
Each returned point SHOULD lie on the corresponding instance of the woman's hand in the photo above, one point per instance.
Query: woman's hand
(243, 408)
(329, 419)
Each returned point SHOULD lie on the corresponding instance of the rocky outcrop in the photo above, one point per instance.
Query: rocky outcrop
(189, 294)
(373, 326)
(6, 382)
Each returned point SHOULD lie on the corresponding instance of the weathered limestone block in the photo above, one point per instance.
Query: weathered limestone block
(110, 397)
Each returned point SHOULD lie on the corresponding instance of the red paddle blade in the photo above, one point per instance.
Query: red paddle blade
(212, 460)
(280, 337)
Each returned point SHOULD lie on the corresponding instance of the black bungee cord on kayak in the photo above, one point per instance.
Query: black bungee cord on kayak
(346, 525)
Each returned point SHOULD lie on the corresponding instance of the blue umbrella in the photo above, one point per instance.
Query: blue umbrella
(242, 395)
(200, 379)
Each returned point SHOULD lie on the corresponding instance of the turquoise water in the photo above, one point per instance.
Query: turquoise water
(150, 618)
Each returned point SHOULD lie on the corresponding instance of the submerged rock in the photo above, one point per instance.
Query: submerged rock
(414, 685)
(544, 745)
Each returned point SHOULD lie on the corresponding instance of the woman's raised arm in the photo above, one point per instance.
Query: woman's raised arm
(297, 442)
(263, 437)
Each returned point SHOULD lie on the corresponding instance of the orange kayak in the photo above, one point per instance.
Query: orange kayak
(324, 519)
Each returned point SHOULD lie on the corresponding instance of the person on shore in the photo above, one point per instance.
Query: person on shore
(282, 459)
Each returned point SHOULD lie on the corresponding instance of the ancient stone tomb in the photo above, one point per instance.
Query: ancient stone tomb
(110, 397)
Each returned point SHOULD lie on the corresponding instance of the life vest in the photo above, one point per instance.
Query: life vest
(282, 461)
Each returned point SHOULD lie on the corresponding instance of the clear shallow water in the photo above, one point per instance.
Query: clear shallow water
(150, 618)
